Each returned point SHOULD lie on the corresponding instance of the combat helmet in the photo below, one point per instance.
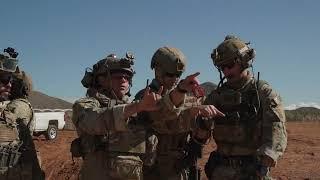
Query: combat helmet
(107, 66)
(233, 49)
(168, 60)
(8, 60)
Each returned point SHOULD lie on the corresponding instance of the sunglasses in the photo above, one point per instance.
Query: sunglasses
(6, 79)
(229, 66)
(120, 76)
(173, 75)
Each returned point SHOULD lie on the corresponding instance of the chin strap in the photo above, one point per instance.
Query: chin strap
(222, 78)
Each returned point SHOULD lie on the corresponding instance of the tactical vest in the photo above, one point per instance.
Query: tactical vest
(9, 139)
(127, 142)
(239, 132)
(169, 142)
(132, 141)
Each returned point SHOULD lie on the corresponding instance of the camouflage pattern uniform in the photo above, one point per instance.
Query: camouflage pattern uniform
(18, 114)
(109, 144)
(171, 125)
(254, 125)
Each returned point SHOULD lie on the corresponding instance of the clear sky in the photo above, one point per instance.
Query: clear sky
(58, 39)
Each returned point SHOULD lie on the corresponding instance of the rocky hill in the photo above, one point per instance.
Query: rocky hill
(40, 100)
(208, 86)
(303, 114)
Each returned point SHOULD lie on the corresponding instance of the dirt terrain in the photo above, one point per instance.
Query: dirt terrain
(301, 159)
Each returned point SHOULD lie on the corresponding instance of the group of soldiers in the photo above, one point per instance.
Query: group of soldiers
(162, 132)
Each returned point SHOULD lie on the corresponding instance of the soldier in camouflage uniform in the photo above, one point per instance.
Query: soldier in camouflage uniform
(110, 139)
(251, 136)
(167, 157)
(18, 155)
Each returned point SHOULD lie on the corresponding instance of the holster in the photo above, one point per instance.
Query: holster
(210, 165)
(75, 148)
(192, 152)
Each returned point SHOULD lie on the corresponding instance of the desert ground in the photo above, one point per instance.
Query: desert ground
(300, 161)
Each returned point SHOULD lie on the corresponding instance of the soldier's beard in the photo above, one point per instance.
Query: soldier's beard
(238, 80)
(168, 83)
(232, 78)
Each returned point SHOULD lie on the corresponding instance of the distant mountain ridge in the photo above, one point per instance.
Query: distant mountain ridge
(303, 114)
(208, 87)
(40, 100)
(303, 104)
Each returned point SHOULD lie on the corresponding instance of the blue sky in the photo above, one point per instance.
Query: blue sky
(58, 39)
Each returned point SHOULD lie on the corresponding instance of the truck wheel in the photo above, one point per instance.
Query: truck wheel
(52, 132)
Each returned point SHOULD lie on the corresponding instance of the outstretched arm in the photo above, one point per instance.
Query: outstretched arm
(149, 102)
(89, 117)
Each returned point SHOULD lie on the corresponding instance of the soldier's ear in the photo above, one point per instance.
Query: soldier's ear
(103, 81)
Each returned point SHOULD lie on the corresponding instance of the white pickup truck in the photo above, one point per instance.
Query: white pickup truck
(48, 122)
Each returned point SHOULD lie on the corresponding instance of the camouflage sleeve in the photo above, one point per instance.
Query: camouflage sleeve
(90, 118)
(167, 111)
(169, 118)
(169, 108)
(207, 123)
(181, 118)
(188, 120)
(274, 135)
(23, 113)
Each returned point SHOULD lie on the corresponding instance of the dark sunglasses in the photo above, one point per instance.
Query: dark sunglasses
(229, 66)
(6, 79)
(172, 75)
(118, 76)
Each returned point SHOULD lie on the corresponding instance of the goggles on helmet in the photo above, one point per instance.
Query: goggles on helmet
(8, 64)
